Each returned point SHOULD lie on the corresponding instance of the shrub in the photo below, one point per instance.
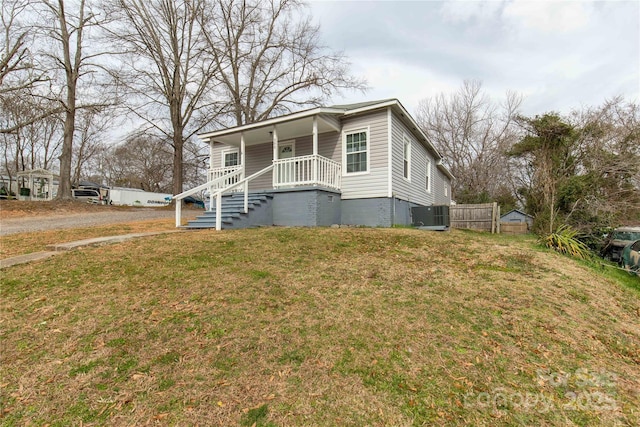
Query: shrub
(565, 240)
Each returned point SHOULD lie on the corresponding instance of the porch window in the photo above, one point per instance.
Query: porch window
(428, 176)
(230, 158)
(407, 158)
(356, 149)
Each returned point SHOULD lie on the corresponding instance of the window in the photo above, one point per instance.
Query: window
(446, 190)
(407, 158)
(428, 176)
(356, 149)
(230, 158)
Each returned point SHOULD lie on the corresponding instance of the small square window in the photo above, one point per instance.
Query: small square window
(231, 159)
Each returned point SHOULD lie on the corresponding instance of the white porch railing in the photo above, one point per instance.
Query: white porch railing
(228, 172)
(306, 170)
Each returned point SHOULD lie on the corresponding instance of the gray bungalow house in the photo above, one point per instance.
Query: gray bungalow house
(358, 164)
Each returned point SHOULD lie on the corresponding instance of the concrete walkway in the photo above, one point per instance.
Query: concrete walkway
(58, 248)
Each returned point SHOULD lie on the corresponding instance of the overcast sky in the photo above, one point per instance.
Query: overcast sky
(558, 54)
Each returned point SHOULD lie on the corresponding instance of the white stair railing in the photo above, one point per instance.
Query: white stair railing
(244, 182)
(209, 185)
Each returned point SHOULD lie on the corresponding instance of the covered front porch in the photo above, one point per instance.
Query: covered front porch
(263, 157)
(310, 170)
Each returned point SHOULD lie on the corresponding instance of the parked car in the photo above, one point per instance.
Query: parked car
(631, 257)
(617, 240)
(190, 200)
(86, 195)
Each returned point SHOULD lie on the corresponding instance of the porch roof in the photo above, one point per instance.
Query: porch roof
(289, 126)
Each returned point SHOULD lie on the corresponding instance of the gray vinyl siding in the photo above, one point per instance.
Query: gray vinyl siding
(217, 154)
(258, 158)
(439, 183)
(415, 189)
(374, 183)
(330, 146)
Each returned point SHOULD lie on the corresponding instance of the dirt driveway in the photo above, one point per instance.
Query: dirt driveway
(24, 217)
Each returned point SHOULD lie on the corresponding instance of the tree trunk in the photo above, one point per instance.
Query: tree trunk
(177, 163)
(64, 186)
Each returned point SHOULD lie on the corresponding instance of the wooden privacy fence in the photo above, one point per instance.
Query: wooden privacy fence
(483, 216)
(514, 228)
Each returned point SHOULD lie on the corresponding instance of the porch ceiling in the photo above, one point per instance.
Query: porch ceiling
(295, 128)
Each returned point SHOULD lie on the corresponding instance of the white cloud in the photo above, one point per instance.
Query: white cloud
(560, 54)
(465, 11)
(548, 16)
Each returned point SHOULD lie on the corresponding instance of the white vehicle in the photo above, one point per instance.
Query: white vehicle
(86, 194)
(133, 197)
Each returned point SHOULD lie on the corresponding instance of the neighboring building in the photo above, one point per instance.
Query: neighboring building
(517, 216)
(359, 164)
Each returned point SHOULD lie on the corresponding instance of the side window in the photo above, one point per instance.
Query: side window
(407, 158)
(428, 176)
(230, 158)
(356, 151)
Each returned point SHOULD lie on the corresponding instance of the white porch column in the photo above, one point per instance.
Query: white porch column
(210, 157)
(242, 176)
(275, 172)
(218, 211)
(179, 212)
(315, 150)
(209, 175)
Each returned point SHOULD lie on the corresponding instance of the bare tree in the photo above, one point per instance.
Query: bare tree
(168, 70)
(65, 29)
(608, 152)
(92, 126)
(472, 132)
(19, 72)
(142, 161)
(269, 58)
(35, 140)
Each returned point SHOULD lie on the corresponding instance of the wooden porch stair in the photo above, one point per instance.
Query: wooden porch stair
(233, 215)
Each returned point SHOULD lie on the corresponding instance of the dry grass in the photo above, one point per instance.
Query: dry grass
(18, 208)
(24, 243)
(318, 327)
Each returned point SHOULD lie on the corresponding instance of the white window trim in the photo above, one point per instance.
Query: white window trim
(344, 151)
(407, 143)
(223, 153)
(446, 190)
(428, 183)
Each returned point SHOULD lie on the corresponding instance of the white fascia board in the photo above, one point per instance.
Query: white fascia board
(445, 170)
(372, 107)
(420, 133)
(270, 122)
